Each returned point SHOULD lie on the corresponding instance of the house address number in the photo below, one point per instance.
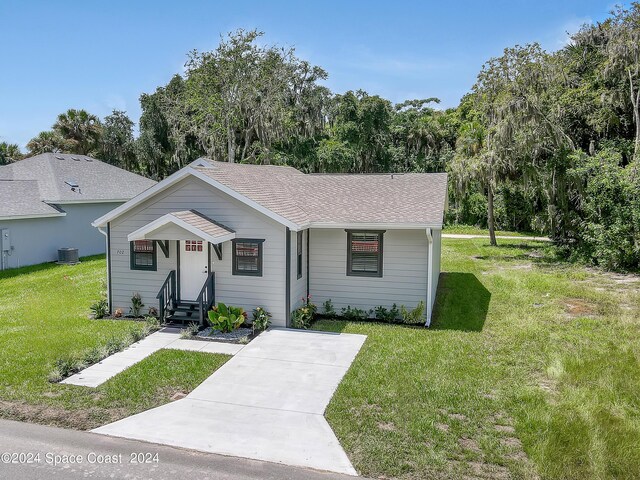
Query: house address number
(121, 252)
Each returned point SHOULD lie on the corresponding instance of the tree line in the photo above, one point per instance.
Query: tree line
(547, 142)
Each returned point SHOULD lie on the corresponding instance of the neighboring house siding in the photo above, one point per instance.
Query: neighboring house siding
(248, 292)
(298, 285)
(37, 240)
(404, 279)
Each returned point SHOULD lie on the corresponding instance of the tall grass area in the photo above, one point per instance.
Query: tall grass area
(44, 316)
(531, 369)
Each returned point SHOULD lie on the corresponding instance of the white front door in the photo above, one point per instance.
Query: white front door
(194, 268)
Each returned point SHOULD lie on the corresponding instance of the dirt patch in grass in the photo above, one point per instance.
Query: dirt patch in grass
(578, 307)
(443, 427)
(488, 471)
(60, 417)
(469, 444)
(387, 426)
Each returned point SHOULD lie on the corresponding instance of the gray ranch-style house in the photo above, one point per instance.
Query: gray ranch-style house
(48, 202)
(271, 236)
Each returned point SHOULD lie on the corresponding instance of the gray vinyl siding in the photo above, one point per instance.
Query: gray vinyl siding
(37, 240)
(404, 279)
(248, 292)
(298, 285)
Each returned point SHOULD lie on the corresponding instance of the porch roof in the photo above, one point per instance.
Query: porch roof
(188, 223)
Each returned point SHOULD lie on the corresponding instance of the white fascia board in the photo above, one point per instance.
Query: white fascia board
(73, 202)
(168, 218)
(35, 215)
(179, 175)
(375, 226)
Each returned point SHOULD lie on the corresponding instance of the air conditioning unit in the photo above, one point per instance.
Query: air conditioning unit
(68, 256)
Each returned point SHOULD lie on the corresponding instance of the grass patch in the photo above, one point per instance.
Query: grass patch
(44, 316)
(508, 383)
(472, 230)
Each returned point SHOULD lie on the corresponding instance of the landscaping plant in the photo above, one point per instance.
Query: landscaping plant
(261, 319)
(100, 309)
(226, 318)
(355, 313)
(329, 310)
(191, 331)
(303, 316)
(387, 315)
(136, 305)
(413, 316)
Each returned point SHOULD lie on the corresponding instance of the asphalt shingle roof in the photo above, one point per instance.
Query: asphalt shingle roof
(202, 223)
(408, 198)
(22, 198)
(96, 180)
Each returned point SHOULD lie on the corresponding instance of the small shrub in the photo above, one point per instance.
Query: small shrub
(226, 318)
(55, 376)
(100, 309)
(117, 313)
(136, 305)
(303, 316)
(355, 313)
(152, 322)
(261, 319)
(413, 316)
(70, 364)
(191, 331)
(153, 312)
(387, 315)
(329, 311)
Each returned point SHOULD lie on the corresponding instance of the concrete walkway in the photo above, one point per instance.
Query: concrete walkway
(266, 403)
(102, 371)
(499, 237)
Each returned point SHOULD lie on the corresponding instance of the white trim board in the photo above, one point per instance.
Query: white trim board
(169, 218)
(36, 215)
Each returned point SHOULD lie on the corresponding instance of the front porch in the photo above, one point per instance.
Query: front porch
(188, 291)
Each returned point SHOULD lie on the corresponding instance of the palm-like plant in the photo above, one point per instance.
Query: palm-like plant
(47, 142)
(81, 129)
(9, 153)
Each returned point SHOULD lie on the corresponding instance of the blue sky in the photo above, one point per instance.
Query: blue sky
(102, 55)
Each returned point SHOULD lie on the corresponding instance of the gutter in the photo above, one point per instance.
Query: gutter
(36, 215)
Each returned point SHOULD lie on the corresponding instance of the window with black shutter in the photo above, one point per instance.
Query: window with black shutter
(364, 256)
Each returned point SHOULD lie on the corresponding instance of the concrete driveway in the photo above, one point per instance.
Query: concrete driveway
(266, 403)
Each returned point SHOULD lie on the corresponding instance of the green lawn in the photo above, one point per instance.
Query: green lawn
(531, 369)
(44, 316)
(471, 230)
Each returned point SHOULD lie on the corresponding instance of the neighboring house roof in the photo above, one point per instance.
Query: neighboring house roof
(21, 198)
(191, 221)
(409, 200)
(66, 178)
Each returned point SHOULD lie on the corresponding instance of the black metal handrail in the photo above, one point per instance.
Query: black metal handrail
(207, 297)
(167, 295)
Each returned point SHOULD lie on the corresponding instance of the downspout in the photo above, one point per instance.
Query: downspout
(429, 276)
(287, 298)
(107, 235)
